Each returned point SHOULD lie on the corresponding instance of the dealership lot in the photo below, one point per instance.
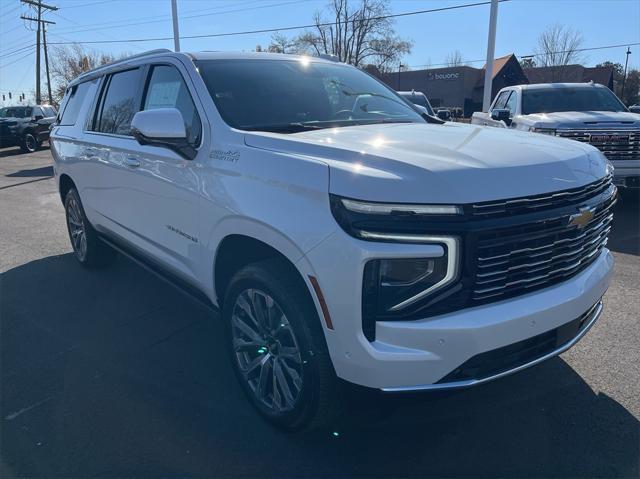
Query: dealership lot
(116, 373)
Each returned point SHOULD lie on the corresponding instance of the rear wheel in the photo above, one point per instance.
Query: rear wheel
(87, 247)
(277, 347)
(29, 143)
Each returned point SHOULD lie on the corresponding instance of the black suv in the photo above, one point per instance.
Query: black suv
(25, 126)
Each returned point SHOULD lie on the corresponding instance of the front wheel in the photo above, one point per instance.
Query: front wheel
(88, 249)
(277, 347)
(29, 143)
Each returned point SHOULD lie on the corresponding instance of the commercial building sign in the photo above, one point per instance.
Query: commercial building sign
(443, 76)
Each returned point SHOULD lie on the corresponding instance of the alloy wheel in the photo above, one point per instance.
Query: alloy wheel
(30, 142)
(77, 229)
(266, 351)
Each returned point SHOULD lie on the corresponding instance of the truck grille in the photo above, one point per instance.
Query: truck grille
(512, 261)
(622, 144)
(539, 202)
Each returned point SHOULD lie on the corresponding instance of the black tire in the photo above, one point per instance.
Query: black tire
(94, 253)
(318, 399)
(29, 143)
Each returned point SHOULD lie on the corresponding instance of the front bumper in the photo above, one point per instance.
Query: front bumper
(626, 173)
(414, 355)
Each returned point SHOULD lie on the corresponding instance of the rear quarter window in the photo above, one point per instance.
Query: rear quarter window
(119, 103)
(73, 104)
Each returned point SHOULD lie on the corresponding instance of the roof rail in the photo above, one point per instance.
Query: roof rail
(120, 60)
(328, 56)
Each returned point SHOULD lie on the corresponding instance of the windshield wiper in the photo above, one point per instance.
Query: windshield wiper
(294, 127)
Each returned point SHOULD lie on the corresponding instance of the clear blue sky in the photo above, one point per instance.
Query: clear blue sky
(435, 35)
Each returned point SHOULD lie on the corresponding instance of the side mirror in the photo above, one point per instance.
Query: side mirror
(444, 115)
(501, 114)
(162, 127)
(37, 117)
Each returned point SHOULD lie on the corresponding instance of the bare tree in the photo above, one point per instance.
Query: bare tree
(357, 35)
(528, 62)
(70, 61)
(454, 59)
(282, 44)
(558, 46)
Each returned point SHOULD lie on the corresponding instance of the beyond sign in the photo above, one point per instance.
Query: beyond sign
(443, 76)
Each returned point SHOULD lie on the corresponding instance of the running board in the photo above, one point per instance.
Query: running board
(161, 273)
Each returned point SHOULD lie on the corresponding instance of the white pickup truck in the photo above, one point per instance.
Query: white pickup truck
(586, 112)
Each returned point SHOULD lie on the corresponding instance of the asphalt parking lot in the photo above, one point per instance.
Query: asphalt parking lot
(117, 374)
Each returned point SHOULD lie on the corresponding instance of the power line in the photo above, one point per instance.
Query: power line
(19, 50)
(17, 60)
(295, 27)
(40, 9)
(620, 45)
(163, 18)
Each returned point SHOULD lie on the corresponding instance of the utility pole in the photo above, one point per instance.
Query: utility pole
(40, 7)
(400, 66)
(624, 78)
(46, 62)
(176, 30)
(491, 48)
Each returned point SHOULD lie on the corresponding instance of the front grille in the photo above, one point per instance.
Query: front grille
(506, 358)
(619, 144)
(515, 260)
(541, 202)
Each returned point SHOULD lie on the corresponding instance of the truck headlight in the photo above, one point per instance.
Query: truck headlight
(544, 131)
(393, 284)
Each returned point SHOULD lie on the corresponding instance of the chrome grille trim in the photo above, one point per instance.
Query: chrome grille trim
(526, 263)
(557, 199)
(614, 150)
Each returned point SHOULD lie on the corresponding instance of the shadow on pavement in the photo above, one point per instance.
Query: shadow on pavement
(625, 234)
(35, 172)
(15, 151)
(115, 373)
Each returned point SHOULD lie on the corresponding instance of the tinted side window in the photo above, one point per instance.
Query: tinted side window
(119, 103)
(167, 89)
(37, 111)
(501, 100)
(511, 103)
(48, 111)
(74, 103)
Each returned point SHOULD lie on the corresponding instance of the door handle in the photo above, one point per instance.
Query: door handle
(90, 151)
(132, 162)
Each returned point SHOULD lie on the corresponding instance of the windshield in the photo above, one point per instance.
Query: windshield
(569, 99)
(287, 96)
(419, 99)
(15, 112)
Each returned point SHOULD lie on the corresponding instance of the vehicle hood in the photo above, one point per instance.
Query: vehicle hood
(583, 119)
(11, 121)
(449, 163)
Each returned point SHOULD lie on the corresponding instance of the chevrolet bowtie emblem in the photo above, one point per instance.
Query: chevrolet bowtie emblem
(582, 218)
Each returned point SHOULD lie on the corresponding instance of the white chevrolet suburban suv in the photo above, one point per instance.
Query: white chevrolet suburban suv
(340, 233)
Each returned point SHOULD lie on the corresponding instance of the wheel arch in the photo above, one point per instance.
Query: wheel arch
(65, 183)
(237, 250)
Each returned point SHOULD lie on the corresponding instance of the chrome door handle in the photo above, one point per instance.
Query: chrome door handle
(132, 162)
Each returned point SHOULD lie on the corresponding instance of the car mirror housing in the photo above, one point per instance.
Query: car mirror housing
(501, 114)
(163, 127)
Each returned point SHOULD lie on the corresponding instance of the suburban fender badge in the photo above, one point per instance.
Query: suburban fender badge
(182, 233)
(582, 218)
(229, 155)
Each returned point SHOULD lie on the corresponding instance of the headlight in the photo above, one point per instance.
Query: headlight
(396, 288)
(544, 131)
(390, 208)
(390, 221)
(391, 285)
